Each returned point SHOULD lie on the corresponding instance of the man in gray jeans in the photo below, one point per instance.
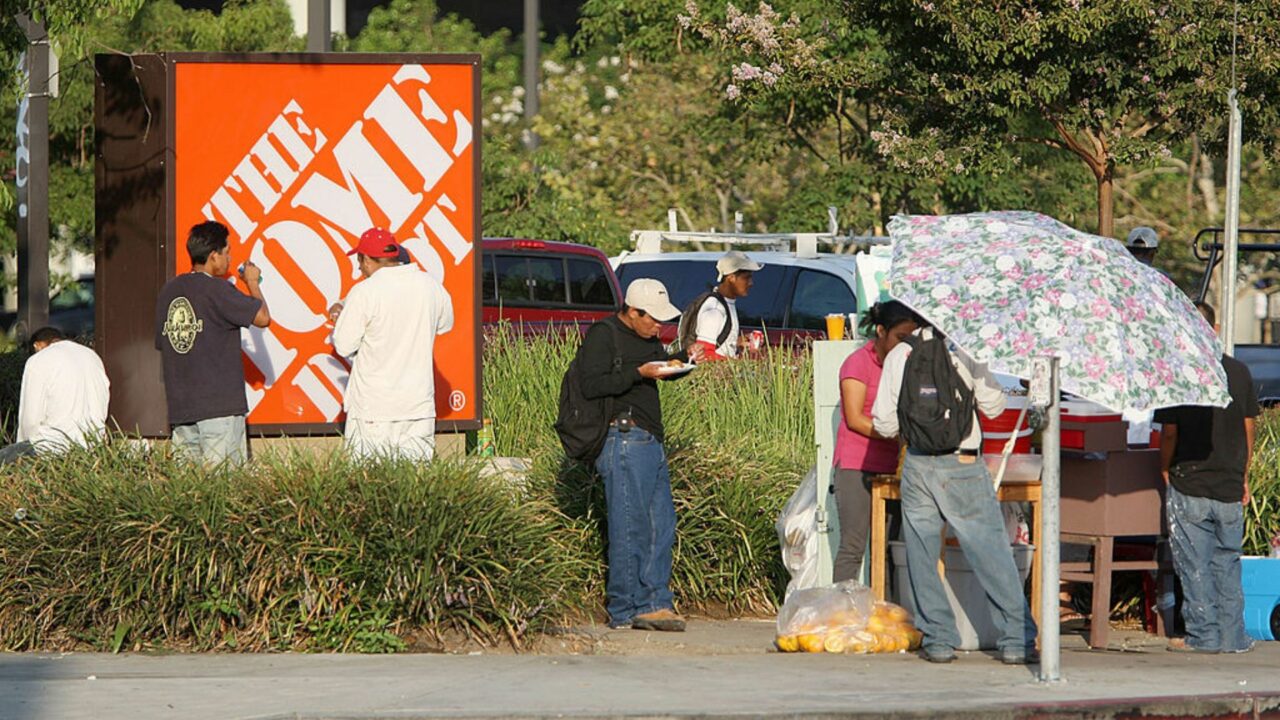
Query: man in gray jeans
(955, 488)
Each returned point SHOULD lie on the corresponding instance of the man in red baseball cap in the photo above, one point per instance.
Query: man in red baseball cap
(388, 326)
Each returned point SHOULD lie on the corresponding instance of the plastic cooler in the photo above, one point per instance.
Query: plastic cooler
(996, 430)
(1261, 580)
(969, 603)
(1083, 411)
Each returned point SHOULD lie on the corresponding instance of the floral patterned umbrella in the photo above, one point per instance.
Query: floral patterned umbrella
(1010, 286)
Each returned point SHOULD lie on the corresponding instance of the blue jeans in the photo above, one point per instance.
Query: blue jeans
(941, 488)
(1205, 536)
(213, 441)
(642, 523)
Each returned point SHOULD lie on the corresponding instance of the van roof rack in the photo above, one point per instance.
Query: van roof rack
(804, 244)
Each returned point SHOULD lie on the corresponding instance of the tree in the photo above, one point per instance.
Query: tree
(806, 68)
(1112, 82)
(80, 28)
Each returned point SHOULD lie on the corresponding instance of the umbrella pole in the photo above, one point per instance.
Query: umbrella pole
(1050, 491)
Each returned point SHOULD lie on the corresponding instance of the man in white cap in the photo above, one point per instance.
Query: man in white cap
(621, 358)
(711, 320)
(1143, 243)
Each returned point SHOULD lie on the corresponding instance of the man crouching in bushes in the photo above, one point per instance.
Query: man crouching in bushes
(64, 397)
(622, 358)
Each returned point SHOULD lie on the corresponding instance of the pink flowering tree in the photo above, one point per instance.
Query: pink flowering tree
(1111, 82)
(956, 87)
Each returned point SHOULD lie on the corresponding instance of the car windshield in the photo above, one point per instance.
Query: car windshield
(79, 294)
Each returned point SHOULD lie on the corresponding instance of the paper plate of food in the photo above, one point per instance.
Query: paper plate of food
(667, 368)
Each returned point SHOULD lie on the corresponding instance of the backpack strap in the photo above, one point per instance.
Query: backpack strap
(728, 319)
(617, 365)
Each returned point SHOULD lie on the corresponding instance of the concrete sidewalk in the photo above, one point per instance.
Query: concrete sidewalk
(715, 669)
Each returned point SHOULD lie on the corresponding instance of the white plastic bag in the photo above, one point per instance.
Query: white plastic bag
(846, 604)
(843, 618)
(798, 534)
(1015, 523)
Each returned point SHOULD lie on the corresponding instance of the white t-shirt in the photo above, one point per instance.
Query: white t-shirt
(64, 399)
(989, 397)
(711, 320)
(388, 325)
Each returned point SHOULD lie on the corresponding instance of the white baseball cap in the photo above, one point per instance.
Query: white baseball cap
(651, 296)
(734, 261)
(1143, 237)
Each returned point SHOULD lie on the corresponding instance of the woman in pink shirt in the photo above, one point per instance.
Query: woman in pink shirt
(860, 451)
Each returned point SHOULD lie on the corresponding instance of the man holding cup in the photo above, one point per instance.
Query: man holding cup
(198, 320)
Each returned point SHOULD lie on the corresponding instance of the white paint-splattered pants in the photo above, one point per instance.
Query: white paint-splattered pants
(1205, 536)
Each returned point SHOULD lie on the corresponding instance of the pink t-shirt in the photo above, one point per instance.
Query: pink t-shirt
(855, 451)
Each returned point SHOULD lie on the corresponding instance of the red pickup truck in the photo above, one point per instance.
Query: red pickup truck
(534, 284)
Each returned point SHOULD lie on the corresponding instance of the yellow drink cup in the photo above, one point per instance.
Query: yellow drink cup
(835, 326)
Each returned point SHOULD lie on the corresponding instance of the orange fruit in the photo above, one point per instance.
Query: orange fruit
(834, 643)
(811, 642)
(787, 643)
(893, 612)
(916, 637)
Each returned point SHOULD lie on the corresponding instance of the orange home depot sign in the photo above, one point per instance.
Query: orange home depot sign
(297, 159)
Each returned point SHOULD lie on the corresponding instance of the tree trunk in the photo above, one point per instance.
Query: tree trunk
(1106, 206)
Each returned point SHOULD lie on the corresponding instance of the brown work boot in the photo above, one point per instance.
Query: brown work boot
(665, 620)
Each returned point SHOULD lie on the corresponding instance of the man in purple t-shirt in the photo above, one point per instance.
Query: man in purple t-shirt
(198, 320)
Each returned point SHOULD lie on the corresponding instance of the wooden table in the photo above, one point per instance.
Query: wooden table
(886, 487)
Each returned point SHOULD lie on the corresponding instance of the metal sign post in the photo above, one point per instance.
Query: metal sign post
(1231, 243)
(531, 70)
(319, 36)
(33, 180)
(1044, 392)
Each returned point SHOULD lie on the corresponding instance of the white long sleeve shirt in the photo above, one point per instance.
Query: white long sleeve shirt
(388, 326)
(64, 397)
(987, 393)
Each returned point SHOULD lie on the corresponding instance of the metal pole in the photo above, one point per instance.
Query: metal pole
(1050, 533)
(531, 66)
(1231, 244)
(33, 182)
(319, 37)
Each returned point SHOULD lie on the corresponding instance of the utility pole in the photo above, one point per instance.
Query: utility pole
(531, 67)
(33, 180)
(319, 37)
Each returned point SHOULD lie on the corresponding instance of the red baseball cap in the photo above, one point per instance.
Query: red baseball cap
(377, 243)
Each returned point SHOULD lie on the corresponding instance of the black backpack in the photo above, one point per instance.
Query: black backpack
(583, 424)
(935, 406)
(688, 328)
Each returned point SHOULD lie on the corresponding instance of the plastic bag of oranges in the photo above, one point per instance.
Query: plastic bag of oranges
(843, 618)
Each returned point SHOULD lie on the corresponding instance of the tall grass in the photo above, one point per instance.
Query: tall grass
(118, 547)
(1262, 514)
(739, 435)
(115, 547)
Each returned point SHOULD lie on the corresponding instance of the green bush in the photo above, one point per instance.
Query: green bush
(739, 436)
(1262, 514)
(116, 547)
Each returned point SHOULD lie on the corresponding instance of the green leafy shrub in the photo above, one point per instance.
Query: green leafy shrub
(116, 547)
(1262, 514)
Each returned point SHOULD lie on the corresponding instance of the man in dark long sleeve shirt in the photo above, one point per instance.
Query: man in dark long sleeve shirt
(633, 463)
